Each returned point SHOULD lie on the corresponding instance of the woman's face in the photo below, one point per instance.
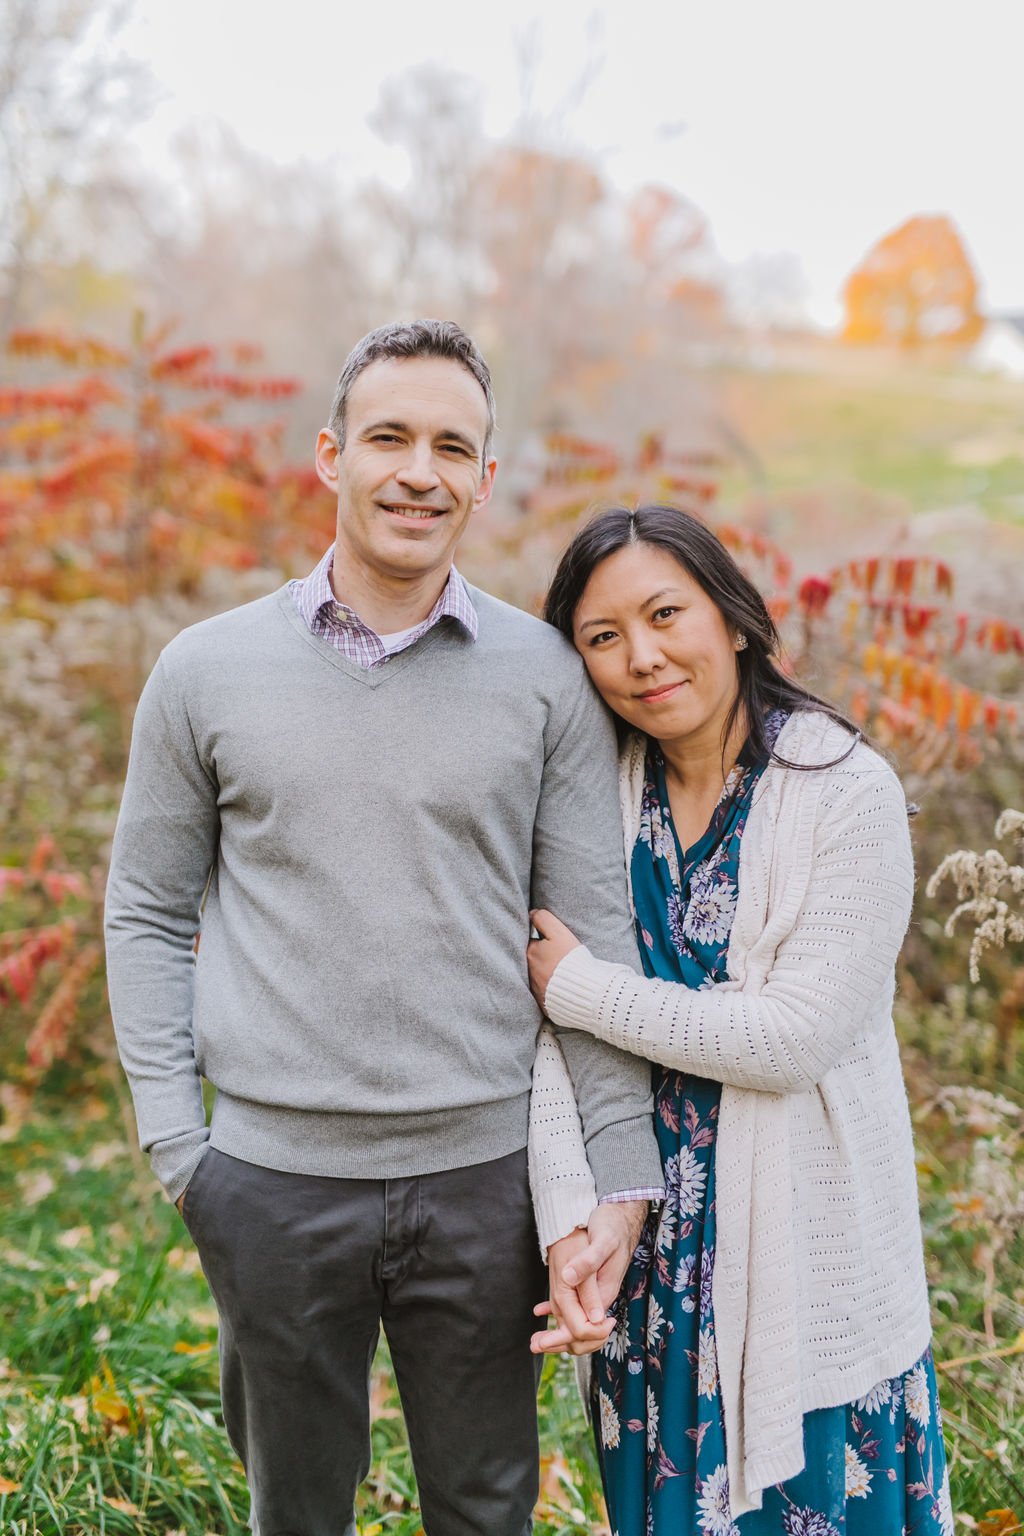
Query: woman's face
(657, 648)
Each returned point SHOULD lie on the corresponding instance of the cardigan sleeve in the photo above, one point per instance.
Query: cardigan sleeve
(561, 1181)
(823, 979)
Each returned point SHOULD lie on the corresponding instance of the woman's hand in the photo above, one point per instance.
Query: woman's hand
(543, 955)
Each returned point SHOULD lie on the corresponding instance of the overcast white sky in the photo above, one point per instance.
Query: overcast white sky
(802, 126)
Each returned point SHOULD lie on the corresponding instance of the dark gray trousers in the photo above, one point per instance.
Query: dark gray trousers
(304, 1270)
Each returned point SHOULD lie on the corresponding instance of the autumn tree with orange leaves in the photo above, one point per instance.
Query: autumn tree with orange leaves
(916, 287)
(126, 471)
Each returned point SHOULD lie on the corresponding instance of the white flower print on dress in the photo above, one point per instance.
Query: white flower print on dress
(919, 1406)
(684, 1193)
(654, 832)
(802, 1521)
(711, 907)
(652, 1419)
(715, 1514)
(610, 1432)
(655, 1321)
(707, 1275)
(876, 1398)
(616, 1345)
(944, 1507)
(685, 1277)
(664, 844)
(667, 1222)
(858, 1478)
(675, 909)
(707, 1364)
(688, 1181)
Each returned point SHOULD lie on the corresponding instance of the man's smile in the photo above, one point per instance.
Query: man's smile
(411, 510)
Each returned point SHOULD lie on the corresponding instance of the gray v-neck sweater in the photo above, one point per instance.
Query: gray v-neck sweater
(369, 843)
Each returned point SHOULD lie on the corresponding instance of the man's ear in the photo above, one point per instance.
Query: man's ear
(486, 486)
(327, 452)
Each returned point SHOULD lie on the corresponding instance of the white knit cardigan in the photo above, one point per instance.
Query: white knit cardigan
(819, 1287)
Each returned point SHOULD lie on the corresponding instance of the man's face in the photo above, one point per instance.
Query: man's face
(411, 473)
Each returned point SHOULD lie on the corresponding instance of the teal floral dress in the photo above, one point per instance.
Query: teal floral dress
(872, 1468)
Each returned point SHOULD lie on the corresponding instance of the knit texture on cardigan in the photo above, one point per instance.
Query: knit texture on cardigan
(819, 1286)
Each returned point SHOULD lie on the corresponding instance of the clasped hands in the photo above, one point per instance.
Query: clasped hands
(586, 1271)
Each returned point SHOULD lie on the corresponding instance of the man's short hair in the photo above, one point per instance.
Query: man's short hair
(415, 338)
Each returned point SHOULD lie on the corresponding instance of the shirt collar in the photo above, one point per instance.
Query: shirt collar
(453, 603)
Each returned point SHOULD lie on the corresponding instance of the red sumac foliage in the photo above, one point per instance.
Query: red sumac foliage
(159, 463)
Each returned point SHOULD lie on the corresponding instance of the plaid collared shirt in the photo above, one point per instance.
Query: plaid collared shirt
(314, 598)
(341, 625)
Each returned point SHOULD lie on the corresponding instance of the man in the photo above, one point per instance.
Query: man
(366, 780)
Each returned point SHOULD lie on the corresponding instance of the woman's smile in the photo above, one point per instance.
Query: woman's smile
(662, 692)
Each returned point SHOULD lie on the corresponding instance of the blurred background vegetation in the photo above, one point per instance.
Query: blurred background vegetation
(168, 352)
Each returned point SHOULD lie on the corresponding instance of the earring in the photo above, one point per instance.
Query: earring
(741, 642)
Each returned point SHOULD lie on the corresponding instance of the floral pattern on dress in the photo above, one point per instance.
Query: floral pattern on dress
(875, 1467)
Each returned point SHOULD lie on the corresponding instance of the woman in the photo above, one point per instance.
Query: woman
(770, 1362)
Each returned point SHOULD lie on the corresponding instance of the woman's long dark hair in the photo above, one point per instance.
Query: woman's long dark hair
(762, 685)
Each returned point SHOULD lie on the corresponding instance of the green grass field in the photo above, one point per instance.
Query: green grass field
(933, 437)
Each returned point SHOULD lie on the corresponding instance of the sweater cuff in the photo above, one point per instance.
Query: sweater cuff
(625, 1156)
(560, 1208)
(576, 992)
(176, 1160)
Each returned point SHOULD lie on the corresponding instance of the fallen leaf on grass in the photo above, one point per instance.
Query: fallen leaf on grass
(6, 1486)
(183, 1347)
(34, 1187)
(78, 1407)
(74, 1237)
(107, 1400)
(102, 1156)
(104, 1281)
(124, 1505)
(184, 1259)
(18, 1260)
(380, 1394)
(999, 1522)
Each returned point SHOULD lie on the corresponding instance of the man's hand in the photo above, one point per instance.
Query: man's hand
(579, 1313)
(587, 1270)
(547, 952)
